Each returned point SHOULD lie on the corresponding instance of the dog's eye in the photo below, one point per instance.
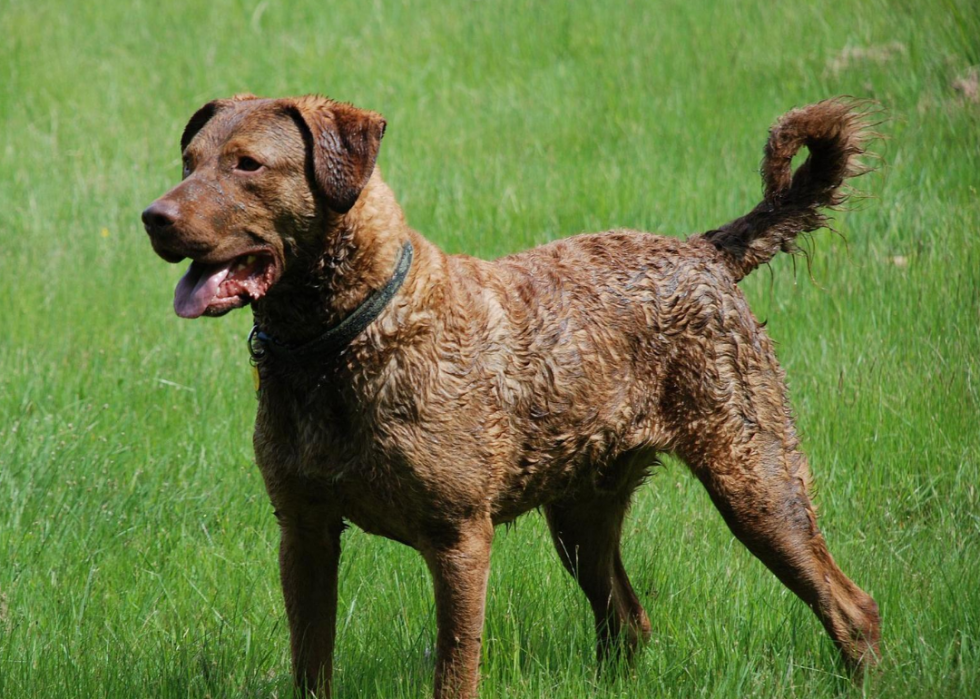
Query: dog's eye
(248, 164)
(187, 167)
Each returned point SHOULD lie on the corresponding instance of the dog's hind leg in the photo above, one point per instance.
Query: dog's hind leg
(746, 454)
(586, 532)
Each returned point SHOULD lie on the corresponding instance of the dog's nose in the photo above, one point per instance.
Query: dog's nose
(160, 215)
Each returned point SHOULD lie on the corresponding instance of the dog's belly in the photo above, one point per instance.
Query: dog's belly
(374, 516)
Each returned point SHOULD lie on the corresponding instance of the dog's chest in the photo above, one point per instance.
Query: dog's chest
(312, 434)
(384, 475)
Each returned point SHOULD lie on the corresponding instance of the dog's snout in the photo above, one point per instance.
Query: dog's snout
(160, 216)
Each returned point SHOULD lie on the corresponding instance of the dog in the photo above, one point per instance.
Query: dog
(428, 398)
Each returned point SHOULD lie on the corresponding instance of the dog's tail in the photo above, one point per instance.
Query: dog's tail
(835, 132)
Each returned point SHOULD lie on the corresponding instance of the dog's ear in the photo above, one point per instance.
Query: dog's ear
(203, 115)
(344, 143)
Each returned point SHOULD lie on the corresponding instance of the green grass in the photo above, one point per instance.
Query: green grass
(137, 548)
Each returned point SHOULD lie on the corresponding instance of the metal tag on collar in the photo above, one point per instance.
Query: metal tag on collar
(256, 347)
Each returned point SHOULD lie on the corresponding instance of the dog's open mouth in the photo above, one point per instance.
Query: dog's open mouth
(215, 289)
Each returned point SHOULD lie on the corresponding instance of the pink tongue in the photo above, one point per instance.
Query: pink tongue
(197, 288)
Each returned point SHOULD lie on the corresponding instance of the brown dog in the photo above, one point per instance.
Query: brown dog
(428, 398)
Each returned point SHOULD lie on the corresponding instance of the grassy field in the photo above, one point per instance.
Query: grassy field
(137, 547)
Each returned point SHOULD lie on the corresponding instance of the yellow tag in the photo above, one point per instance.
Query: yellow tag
(256, 379)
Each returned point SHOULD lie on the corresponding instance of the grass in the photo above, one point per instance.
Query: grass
(137, 548)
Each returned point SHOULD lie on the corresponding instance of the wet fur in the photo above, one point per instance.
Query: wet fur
(547, 379)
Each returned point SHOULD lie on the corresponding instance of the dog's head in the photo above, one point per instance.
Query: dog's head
(261, 177)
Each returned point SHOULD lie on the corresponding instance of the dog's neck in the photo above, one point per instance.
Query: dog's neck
(359, 253)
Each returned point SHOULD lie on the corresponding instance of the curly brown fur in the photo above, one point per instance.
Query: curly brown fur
(835, 132)
(551, 378)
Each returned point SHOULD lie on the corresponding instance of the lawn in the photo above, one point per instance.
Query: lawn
(137, 547)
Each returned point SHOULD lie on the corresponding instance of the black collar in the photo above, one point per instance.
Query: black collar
(261, 345)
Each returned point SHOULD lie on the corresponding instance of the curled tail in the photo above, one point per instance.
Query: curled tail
(835, 132)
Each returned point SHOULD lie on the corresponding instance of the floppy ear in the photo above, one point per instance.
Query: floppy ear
(344, 142)
(203, 115)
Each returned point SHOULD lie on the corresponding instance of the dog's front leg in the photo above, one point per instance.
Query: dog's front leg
(460, 569)
(309, 551)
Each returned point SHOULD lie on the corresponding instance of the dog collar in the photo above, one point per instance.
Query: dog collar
(334, 340)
